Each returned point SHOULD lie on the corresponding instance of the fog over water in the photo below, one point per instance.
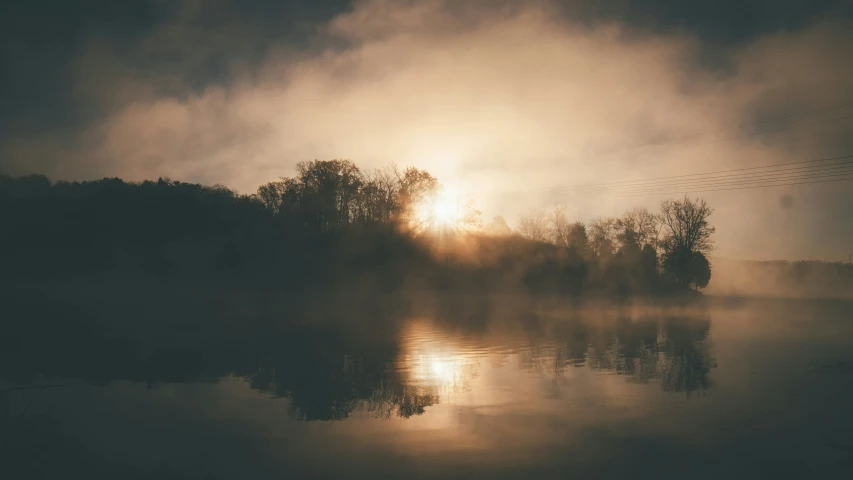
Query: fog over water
(426, 239)
(452, 386)
(507, 100)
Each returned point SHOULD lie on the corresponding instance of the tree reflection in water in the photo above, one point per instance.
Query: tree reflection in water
(428, 362)
(673, 350)
(399, 368)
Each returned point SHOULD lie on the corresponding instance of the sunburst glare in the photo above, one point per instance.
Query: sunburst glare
(448, 210)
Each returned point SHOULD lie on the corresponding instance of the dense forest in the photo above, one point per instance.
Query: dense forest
(335, 227)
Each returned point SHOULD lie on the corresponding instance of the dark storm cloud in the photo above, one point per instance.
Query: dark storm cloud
(718, 22)
(41, 40)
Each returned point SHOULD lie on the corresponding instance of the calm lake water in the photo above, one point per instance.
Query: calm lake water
(721, 389)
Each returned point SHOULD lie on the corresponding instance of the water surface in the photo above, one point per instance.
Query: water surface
(470, 388)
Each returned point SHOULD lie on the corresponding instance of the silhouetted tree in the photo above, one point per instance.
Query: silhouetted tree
(688, 268)
(559, 226)
(637, 227)
(701, 270)
(686, 224)
(329, 192)
(534, 225)
(379, 196)
(649, 261)
(469, 218)
(687, 241)
(327, 227)
(578, 239)
(416, 187)
(498, 227)
(602, 237)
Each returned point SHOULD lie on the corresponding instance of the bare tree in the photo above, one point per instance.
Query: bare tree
(380, 194)
(687, 240)
(578, 238)
(686, 225)
(639, 227)
(602, 236)
(534, 225)
(389, 189)
(498, 227)
(559, 226)
(470, 218)
(415, 186)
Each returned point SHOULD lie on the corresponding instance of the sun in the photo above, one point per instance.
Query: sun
(447, 207)
(444, 210)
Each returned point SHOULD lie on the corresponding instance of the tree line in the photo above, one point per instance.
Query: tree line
(332, 224)
(677, 240)
(325, 195)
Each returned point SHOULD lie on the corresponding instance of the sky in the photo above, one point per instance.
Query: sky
(506, 100)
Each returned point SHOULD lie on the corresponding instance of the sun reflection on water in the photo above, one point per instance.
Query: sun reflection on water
(433, 361)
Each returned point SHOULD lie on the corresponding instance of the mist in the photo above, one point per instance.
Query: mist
(507, 101)
(426, 239)
(780, 279)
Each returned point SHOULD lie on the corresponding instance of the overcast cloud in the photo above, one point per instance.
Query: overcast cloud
(505, 99)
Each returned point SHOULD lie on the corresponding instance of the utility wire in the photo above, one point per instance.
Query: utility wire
(827, 159)
(839, 168)
(736, 183)
(703, 190)
(693, 188)
(715, 184)
(722, 180)
(834, 168)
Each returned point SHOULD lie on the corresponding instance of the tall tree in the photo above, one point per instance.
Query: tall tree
(329, 190)
(469, 217)
(498, 227)
(637, 227)
(687, 241)
(602, 236)
(686, 225)
(578, 238)
(416, 186)
(560, 226)
(534, 225)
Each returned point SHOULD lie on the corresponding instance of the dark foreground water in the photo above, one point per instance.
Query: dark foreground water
(727, 389)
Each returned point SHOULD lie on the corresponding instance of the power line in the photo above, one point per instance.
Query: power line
(686, 191)
(693, 183)
(827, 159)
(715, 181)
(769, 175)
(717, 190)
(692, 188)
